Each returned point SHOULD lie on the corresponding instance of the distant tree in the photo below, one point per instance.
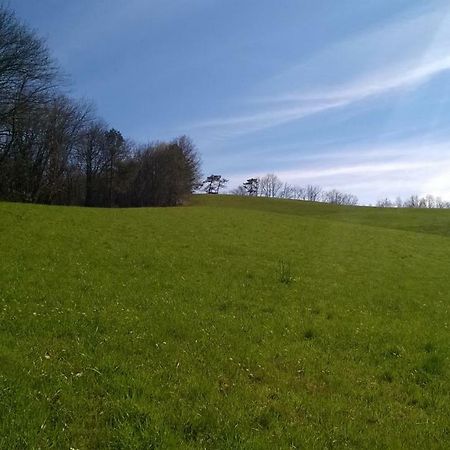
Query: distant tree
(339, 198)
(161, 175)
(55, 150)
(313, 193)
(192, 163)
(350, 200)
(430, 201)
(270, 185)
(240, 191)
(27, 72)
(214, 183)
(92, 160)
(412, 202)
(287, 191)
(251, 187)
(27, 79)
(439, 203)
(384, 203)
(115, 151)
(64, 125)
(299, 193)
(42, 158)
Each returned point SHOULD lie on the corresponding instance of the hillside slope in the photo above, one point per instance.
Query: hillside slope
(230, 323)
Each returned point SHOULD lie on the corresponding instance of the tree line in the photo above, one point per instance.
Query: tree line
(414, 201)
(56, 150)
(271, 186)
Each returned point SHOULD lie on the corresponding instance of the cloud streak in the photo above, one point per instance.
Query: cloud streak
(409, 68)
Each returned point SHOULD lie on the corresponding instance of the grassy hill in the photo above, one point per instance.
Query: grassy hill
(230, 323)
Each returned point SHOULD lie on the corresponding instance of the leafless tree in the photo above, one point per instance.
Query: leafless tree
(192, 162)
(115, 151)
(439, 203)
(339, 198)
(91, 157)
(429, 201)
(287, 191)
(240, 191)
(270, 185)
(412, 202)
(384, 203)
(299, 193)
(313, 193)
(27, 76)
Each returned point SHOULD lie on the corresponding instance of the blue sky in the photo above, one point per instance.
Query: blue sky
(346, 94)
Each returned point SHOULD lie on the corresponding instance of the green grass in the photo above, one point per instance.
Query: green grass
(231, 323)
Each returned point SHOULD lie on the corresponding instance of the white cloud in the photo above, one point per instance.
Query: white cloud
(403, 77)
(414, 50)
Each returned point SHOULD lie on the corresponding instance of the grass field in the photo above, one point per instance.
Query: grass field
(231, 323)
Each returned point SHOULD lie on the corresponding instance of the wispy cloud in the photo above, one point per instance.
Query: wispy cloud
(421, 53)
(405, 76)
(267, 117)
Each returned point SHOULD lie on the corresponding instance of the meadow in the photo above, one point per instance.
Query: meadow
(228, 323)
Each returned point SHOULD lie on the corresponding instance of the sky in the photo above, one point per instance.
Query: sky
(348, 94)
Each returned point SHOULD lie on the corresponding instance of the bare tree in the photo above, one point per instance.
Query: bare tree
(287, 191)
(384, 203)
(313, 193)
(92, 160)
(429, 201)
(240, 191)
(439, 203)
(339, 198)
(412, 202)
(27, 75)
(192, 161)
(27, 79)
(399, 202)
(115, 152)
(270, 185)
(299, 193)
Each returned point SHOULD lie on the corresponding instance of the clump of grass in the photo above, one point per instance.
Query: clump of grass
(393, 352)
(309, 334)
(429, 347)
(433, 365)
(387, 376)
(285, 272)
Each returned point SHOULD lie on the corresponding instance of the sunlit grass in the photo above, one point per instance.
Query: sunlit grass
(231, 323)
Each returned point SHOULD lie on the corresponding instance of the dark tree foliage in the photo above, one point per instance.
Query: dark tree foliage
(55, 150)
(213, 184)
(162, 174)
(251, 186)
